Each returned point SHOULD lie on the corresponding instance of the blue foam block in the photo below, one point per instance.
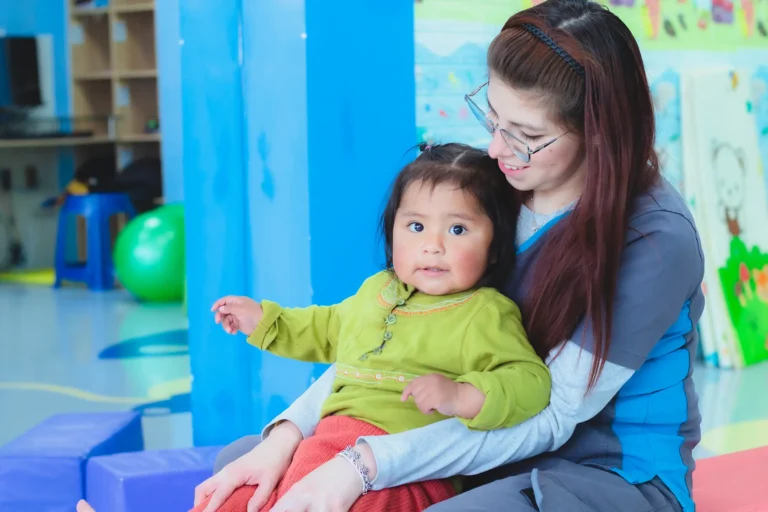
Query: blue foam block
(151, 481)
(44, 468)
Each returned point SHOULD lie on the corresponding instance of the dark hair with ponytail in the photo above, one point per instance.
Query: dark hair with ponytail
(473, 171)
(609, 104)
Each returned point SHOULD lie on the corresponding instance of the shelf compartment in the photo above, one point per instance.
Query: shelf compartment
(89, 39)
(136, 73)
(93, 104)
(94, 75)
(119, 4)
(134, 6)
(136, 105)
(134, 42)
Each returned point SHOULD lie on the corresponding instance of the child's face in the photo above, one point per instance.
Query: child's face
(441, 239)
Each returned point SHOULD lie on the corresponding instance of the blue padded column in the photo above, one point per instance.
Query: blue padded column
(169, 46)
(330, 111)
(326, 113)
(216, 213)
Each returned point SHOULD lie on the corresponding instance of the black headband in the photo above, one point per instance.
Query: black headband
(559, 51)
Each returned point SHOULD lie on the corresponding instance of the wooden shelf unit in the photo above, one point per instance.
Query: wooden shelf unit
(114, 80)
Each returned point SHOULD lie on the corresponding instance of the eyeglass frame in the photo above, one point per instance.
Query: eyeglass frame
(491, 127)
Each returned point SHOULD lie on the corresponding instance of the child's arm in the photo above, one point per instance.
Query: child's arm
(307, 334)
(500, 365)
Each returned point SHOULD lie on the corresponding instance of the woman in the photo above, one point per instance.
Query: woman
(609, 274)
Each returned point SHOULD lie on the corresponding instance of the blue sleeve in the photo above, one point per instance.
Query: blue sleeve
(659, 286)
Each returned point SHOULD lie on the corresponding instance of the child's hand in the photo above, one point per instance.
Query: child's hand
(434, 392)
(238, 314)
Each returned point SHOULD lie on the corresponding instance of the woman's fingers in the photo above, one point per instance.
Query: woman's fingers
(204, 490)
(221, 494)
(259, 498)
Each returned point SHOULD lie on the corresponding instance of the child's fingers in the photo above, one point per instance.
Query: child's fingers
(425, 404)
(229, 299)
(407, 392)
(218, 304)
(232, 324)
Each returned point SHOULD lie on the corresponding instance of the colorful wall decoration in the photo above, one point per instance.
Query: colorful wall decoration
(676, 37)
(719, 25)
(453, 35)
(723, 172)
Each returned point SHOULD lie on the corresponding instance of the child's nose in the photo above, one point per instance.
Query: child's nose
(433, 246)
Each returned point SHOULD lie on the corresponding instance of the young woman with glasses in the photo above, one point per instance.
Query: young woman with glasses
(609, 271)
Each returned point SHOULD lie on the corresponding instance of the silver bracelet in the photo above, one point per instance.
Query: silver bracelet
(351, 455)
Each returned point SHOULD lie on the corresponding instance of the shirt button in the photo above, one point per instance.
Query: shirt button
(391, 319)
(400, 302)
(387, 336)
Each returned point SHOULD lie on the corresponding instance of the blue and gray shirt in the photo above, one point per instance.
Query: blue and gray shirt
(641, 420)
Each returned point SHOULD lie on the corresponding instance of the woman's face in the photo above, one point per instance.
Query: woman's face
(526, 115)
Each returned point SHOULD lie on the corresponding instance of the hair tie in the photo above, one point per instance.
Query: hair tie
(536, 31)
(423, 146)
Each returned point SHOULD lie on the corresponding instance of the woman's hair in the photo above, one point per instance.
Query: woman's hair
(585, 62)
(473, 171)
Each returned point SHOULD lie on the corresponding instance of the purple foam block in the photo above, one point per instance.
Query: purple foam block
(44, 468)
(150, 481)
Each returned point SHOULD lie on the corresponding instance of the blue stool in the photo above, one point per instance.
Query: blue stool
(98, 271)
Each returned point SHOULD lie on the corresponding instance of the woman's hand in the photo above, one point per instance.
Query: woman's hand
(238, 314)
(333, 487)
(263, 466)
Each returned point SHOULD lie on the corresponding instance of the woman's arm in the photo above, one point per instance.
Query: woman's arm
(408, 457)
(304, 412)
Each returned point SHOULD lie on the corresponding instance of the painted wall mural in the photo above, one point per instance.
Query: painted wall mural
(451, 40)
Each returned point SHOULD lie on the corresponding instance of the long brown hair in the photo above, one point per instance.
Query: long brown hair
(611, 108)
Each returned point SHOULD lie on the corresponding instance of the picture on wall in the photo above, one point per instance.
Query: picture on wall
(452, 37)
(724, 175)
(760, 106)
(665, 84)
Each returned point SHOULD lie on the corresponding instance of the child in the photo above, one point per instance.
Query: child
(426, 339)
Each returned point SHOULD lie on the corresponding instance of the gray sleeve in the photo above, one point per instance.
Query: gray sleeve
(304, 412)
(662, 267)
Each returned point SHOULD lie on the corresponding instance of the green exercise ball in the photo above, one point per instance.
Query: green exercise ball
(149, 255)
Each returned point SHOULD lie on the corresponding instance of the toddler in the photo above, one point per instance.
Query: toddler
(426, 339)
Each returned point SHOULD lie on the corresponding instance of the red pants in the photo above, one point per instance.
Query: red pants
(333, 434)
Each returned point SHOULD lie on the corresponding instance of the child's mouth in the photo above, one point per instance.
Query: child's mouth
(432, 270)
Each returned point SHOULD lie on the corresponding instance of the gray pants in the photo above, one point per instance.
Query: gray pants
(546, 483)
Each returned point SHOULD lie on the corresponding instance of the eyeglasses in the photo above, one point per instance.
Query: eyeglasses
(517, 146)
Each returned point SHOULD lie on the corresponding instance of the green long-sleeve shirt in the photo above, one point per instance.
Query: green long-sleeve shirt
(387, 334)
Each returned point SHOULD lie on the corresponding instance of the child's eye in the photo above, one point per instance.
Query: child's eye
(416, 227)
(458, 229)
